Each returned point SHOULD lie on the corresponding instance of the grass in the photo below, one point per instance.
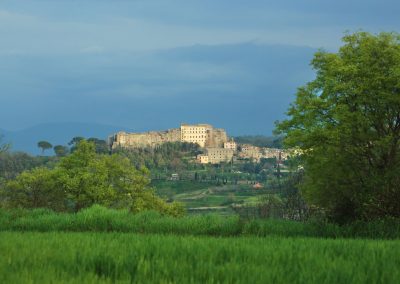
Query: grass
(99, 219)
(131, 258)
(164, 187)
(99, 245)
(204, 194)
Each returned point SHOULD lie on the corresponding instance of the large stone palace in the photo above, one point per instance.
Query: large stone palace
(214, 143)
(203, 134)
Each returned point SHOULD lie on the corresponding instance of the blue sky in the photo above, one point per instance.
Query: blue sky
(152, 64)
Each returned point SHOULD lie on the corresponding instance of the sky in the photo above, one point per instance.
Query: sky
(153, 64)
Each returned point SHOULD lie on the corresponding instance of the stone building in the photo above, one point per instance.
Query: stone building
(199, 133)
(204, 135)
(230, 145)
(219, 155)
(217, 138)
(142, 140)
(256, 153)
(270, 153)
(203, 159)
(250, 152)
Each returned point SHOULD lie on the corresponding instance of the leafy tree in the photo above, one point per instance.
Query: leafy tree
(35, 189)
(90, 178)
(85, 178)
(12, 164)
(74, 141)
(100, 145)
(60, 150)
(347, 124)
(44, 145)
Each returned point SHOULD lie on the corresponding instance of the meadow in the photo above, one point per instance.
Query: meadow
(100, 219)
(51, 257)
(200, 197)
(100, 245)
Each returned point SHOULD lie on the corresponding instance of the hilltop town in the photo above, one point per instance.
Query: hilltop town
(215, 145)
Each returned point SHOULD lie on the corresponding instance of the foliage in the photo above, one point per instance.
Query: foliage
(60, 150)
(171, 156)
(35, 189)
(85, 178)
(100, 145)
(347, 124)
(14, 163)
(260, 141)
(44, 145)
(75, 141)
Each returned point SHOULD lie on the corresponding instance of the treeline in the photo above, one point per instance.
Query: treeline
(14, 163)
(260, 141)
(63, 150)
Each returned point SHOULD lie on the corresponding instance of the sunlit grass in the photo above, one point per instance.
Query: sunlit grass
(125, 258)
(100, 219)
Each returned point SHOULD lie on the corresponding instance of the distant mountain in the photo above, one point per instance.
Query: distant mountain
(56, 133)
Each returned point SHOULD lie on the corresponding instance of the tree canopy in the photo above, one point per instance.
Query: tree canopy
(84, 178)
(347, 124)
(60, 150)
(44, 145)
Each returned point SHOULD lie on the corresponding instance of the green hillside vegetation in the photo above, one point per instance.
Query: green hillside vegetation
(198, 186)
(12, 164)
(169, 156)
(260, 141)
(82, 179)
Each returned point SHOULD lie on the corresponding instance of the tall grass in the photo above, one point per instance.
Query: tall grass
(133, 258)
(100, 219)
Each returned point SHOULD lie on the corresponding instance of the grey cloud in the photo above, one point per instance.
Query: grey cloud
(155, 63)
(228, 84)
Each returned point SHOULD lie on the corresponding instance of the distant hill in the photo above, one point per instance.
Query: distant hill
(56, 133)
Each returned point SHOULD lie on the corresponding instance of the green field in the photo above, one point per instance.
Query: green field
(207, 196)
(100, 219)
(125, 258)
(100, 245)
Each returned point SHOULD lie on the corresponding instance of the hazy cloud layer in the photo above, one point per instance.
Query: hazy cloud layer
(156, 63)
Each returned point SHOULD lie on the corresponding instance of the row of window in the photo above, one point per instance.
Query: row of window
(194, 137)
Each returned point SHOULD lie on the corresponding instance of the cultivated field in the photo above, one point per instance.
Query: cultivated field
(124, 258)
(99, 245)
